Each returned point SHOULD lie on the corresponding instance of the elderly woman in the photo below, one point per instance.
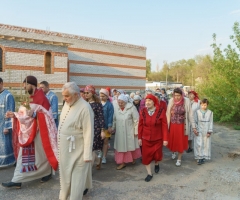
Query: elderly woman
(99, 135)
(136, 102)
(162, 104)
(195, 103)
(179, 117)
(152, 134)
(164, 95)
(125, 122)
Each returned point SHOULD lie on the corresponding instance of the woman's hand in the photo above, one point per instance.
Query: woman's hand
(110, 129)
(165, 143)
(140, 142)
(113, 131)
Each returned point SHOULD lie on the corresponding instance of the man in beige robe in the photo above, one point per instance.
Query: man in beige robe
(75, 139)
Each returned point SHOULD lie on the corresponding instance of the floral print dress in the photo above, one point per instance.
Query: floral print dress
(98, 125)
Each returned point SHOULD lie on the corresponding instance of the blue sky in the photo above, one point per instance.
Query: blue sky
(171, 30)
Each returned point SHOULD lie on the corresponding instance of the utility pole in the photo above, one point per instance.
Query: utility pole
(165, 63)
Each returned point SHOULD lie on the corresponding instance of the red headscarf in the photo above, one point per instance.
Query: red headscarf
(154, 99)
(90, 88)
(196, 98)
(109, 90)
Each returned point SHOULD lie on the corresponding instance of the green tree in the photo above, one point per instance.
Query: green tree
(148, 67)
(222, 85)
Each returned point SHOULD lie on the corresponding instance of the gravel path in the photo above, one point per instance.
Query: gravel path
(217, 179)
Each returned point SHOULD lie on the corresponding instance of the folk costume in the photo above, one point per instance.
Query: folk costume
(75, 140)
(152, 130)
(35, 140)
(179, 118)
(204, 125)
(7, 103)
(53, 100)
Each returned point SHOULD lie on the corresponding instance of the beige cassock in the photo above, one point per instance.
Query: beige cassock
(75, 139)
(126, 124)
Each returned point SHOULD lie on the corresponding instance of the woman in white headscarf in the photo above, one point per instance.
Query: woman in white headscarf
(125, 122)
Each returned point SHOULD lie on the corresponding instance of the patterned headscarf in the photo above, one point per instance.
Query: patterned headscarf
(90, 88)
(181, 101)
(196, 98)
(121, 91)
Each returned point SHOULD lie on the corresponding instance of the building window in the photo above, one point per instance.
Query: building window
(48, 61)
(1, 59)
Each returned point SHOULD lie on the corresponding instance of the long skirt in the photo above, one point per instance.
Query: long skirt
(178, 142)
(151, 151)
(127, 157)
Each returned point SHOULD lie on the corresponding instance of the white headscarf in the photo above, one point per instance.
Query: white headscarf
(123, 98)
(120, 91)
(136, 97)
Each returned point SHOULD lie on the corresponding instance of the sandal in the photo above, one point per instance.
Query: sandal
(178, 163)
(121, 166)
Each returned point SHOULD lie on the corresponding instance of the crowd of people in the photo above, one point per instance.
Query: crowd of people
(38, 143)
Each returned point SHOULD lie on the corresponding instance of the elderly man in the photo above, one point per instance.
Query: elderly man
(7, 103)
(75, 142)
(34, 137)
(52, 98)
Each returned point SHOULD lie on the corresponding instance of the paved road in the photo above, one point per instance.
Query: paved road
(218, 179)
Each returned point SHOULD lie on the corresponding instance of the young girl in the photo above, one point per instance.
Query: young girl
(204, 128)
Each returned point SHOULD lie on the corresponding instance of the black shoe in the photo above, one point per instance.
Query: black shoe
(85, 191)
(203, 161)
(156, 168)
(199, 161)
(12, 184)
(46, 178)
(148, 178)
(189, 150)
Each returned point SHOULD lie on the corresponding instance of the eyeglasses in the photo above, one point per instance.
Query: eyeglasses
(86, 92)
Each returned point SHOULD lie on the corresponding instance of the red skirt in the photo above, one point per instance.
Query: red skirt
(151, 151)
(178, 142)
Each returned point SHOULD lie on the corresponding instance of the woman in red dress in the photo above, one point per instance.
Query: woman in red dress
(152, 134)
(179, 117)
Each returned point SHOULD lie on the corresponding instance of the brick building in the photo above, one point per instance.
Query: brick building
(59, 57)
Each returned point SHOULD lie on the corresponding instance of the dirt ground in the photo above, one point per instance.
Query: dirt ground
(217, 179)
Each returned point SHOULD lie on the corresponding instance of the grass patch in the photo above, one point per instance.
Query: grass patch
(236, 127)
(231, 125)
